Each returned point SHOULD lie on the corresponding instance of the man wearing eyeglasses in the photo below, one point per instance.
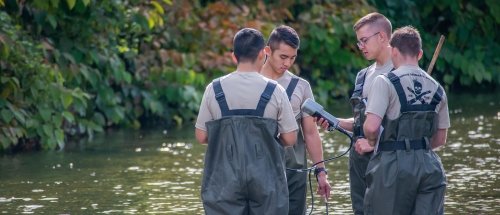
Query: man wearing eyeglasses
(373, 32)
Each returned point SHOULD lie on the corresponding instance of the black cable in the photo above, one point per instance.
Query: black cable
(341, 130)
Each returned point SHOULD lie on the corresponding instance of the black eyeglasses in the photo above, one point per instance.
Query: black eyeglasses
(362, 42)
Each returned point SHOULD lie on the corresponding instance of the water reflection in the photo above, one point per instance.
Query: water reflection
(159, 172)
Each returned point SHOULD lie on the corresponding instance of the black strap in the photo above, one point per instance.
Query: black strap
(360, 82)
(402, 145)
(264, 99)
(261, 106)
(405, 106)
(291, 87)
(220, 97)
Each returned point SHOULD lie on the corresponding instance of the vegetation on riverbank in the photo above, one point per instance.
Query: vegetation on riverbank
(70, 68)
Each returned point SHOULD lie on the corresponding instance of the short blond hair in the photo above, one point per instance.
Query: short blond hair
(377, 20)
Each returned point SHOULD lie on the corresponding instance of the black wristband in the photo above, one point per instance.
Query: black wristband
(318, 170)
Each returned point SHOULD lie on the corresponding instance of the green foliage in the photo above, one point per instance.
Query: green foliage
(34, 103)
(469, 57)
(75, 67)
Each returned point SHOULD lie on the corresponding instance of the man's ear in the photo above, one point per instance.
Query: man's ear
(420, 54)
(267, 50)
(234, 58)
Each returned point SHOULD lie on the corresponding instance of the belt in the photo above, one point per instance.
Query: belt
(402, 145)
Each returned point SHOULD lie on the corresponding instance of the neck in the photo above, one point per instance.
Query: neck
(247, 67)
(385, 55)
(268, 72)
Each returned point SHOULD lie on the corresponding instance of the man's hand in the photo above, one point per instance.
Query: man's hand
(322, 122)
(362, 146)
(324, 187)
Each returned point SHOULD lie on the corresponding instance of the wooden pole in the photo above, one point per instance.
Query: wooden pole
(436, 54)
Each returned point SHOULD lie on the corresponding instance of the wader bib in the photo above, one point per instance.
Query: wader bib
(358, 163)
(406, 176)
(244, 170)
(295, 158)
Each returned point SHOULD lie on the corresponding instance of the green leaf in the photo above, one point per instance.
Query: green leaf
(158, 7)
(67, 99)
(59, 138)
(68, 116)
(47, 129)
(17, 113)
(54, 3)
(71, 3)
(86, 2)
(45, 113)
(169, 2)
(52, 21)
(6, 115)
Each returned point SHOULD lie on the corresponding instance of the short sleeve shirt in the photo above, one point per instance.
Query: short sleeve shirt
(301, 92)
(419, 88)
(243, 91)
(373, 71)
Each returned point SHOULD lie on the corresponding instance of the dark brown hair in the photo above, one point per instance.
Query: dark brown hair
(407, 40)
(283, 34)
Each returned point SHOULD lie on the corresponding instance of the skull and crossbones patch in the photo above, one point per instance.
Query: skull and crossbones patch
(416, 93)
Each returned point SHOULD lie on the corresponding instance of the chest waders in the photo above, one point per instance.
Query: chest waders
(406, 176)
(244, 170)
(295, 158)
(358, 163)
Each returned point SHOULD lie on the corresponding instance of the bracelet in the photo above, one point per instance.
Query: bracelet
(318, 170)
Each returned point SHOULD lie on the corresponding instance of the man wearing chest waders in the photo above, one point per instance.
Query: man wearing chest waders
(281, 50)
(241, 117)
(410, 110)
(373, 32)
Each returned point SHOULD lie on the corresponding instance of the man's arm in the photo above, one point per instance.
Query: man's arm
(315, 149)
(371, 130)
(201, 136)
(439, 138)
(288, 139)
(347, 124)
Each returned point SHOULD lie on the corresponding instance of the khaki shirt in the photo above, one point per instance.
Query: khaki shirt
(243, 91)
(301, 92)
(373, 71)
(384, 101)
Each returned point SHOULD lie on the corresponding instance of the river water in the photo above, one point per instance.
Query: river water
(159, 171)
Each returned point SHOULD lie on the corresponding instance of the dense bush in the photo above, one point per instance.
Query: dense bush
(73, 67)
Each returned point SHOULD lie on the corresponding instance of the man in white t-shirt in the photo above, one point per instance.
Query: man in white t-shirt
(405, 176)
(241, 117)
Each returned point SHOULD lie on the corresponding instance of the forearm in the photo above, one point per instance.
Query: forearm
(371, 137)
(371, 128)
(314, 148)
(439, 138)
(347, 124)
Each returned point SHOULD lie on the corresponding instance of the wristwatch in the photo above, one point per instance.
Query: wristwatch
(318, 170)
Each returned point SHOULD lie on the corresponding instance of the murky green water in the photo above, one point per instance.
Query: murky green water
(159, 172)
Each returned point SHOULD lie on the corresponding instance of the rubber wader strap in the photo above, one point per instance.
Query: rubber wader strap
(405, 106)
(264, 99)
(221, 98)
(291, 87)
(360, 82)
